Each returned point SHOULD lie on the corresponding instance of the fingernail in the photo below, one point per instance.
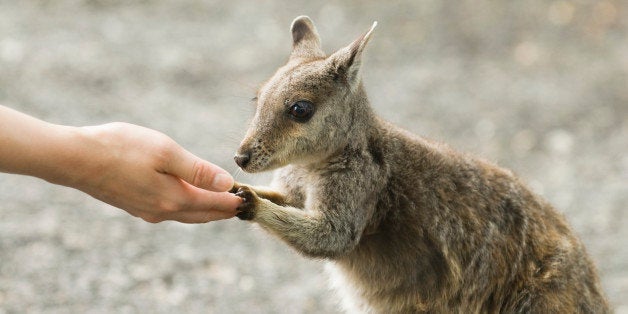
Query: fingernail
(222, 182)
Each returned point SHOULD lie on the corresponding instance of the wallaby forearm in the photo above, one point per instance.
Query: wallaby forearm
(327, 231)
(311, 233)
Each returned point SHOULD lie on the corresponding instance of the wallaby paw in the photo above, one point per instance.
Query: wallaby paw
(249, 203)
(236, 187)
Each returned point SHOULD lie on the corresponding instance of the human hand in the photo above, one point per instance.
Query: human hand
(148, 175)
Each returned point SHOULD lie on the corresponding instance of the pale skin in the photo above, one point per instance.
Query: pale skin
(139, 170)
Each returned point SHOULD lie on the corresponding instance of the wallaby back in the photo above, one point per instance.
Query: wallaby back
(408, 225)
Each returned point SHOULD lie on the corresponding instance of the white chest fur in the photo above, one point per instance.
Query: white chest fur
(348, 293)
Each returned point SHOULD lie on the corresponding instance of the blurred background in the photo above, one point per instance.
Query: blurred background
(540, 87)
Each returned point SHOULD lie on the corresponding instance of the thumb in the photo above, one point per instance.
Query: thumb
(199, 172)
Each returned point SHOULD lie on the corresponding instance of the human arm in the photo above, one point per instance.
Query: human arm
(137, 169)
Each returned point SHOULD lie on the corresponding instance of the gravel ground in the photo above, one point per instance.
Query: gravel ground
(540, 87)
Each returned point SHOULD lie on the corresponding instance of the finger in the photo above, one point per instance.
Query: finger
(199, 172)
(200, 206)
(200, 216)
(193, 205)
(202, 200)
(189, 204)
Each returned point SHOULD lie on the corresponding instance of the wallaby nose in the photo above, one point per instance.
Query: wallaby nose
(242, 159)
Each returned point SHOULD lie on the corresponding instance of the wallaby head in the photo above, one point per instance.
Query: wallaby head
(307, 109)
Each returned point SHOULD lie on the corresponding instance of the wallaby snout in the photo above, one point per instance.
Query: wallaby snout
(242, 159)
(254, 155)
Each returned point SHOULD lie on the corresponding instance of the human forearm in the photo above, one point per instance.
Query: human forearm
(37, 148)
(137, 169)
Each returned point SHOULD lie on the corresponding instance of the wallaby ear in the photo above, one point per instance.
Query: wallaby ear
(305, 40)
(346, 61)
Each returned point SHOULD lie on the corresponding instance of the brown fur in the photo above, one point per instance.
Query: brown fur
(409, 225)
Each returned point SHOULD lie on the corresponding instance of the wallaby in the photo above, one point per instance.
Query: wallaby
(408, 225)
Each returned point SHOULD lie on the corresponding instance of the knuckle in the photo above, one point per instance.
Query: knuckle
(165, 151)
(118, 125)
(168, 207)
(152, 219)
(206, 218)
(201, 174)
(197, 173)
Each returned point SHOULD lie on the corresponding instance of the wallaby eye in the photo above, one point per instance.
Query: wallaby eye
(301, 111)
